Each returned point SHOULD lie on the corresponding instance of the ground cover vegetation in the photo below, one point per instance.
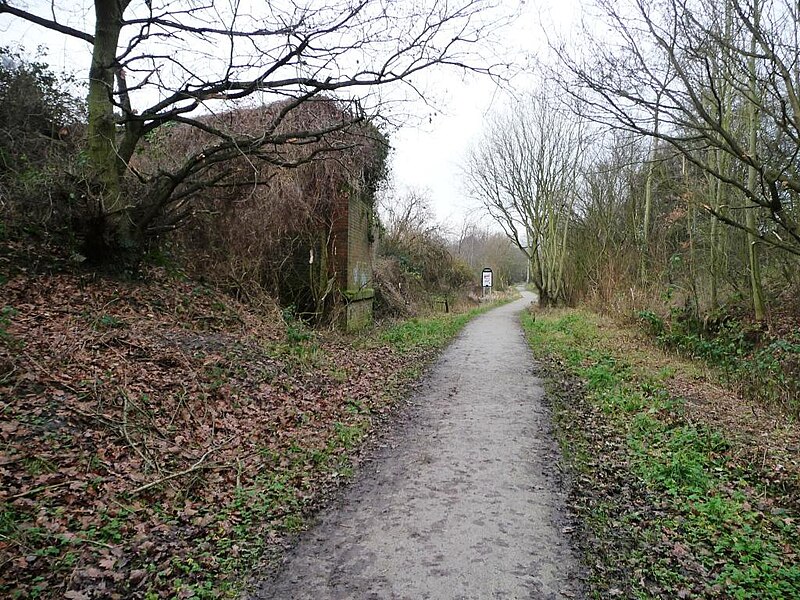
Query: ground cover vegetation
(684, 489)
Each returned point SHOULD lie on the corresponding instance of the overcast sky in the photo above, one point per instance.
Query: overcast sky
(428, 156)
(428, 152)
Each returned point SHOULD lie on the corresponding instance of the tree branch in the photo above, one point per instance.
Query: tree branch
(46, 23)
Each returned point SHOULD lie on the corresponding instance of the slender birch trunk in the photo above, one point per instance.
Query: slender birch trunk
(648, 204)
(752, 179)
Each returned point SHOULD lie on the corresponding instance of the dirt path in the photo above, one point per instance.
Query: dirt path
(463, 499)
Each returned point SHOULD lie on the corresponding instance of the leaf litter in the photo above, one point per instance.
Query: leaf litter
(157, 438)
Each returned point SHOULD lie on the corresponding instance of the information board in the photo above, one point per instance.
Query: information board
(487, 277)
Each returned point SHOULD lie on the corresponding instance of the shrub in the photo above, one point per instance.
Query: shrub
(763, 366)
(416, 268)
(40, 138)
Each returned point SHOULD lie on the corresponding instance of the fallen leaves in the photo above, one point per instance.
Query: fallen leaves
(646, 529)
(157, 432)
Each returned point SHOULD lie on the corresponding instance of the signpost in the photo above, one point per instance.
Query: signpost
(486, 280)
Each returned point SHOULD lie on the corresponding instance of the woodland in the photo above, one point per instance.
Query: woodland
(652, 175)
(175, 400)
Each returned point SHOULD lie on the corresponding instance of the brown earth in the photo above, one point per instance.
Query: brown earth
(157, 437)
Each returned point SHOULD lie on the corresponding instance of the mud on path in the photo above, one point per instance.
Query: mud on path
(463, 498)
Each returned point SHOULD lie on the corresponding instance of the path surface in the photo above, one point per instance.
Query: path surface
(461, 502)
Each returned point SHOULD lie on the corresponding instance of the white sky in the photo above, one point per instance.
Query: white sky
(427, 153)
(428, 156)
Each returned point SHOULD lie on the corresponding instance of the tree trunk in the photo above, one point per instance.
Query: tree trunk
(752, 181)
(648, 203)
(691, 228)
(719, 199)
(115, 229)
(717, 241)
(562, 258)
(715, 262)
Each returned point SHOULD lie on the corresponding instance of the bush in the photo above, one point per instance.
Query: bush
(40, 137)
(411, 277)
(416, 269)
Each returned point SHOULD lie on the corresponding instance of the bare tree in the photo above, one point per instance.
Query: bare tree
(481, 247)
(609, 215)
(407, 217)
(415, 261)
(526, 172)
(174, 61)
(677, 69)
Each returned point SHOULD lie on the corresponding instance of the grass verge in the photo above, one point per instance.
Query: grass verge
(669, 509)
(432, 332)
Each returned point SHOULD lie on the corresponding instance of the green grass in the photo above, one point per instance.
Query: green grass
(684, 467)
(431, 332)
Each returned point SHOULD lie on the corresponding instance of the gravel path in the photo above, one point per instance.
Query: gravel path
(462, 500)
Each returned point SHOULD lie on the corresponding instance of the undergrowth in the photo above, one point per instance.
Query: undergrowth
(432, 332)
(763, 367)
(697, 525)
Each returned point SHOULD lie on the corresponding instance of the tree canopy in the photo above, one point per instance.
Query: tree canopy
(156, 64)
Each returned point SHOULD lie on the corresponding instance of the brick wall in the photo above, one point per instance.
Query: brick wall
(340, 226)
(351, 249)
(359, 250)
(351, 258)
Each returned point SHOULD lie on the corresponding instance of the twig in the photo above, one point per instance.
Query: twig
(177, 408)
(124, 506)
(198, 466)
(148, 461)
(38, 489)
(49, 374)
(94, 416)
(15, 541)
(93, 542)
(7, 376)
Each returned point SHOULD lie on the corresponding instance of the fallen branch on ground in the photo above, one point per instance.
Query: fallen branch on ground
(197, 466)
